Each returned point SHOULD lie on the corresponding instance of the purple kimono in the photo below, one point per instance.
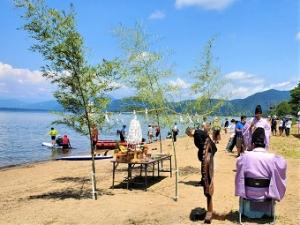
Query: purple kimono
(247, 132)
(258, 163)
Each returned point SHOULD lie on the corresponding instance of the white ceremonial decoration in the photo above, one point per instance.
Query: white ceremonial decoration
(106, 117)
(134, 132)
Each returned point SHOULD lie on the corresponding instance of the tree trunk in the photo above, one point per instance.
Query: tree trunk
(94, 192)
(176, 168)
(158, 123)
(93, 175)
(86, 111)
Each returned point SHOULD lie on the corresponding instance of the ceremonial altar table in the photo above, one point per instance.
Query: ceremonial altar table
(144, 165)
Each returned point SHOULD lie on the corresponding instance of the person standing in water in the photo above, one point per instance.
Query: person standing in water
(53, 133)
(66, 144)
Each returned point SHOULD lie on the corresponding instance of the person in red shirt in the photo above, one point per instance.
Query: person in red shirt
(66, 142)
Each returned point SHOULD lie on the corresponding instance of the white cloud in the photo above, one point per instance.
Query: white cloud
(298, 36)
(24, 83)
(288, 85)
(179, 83)
(205, 4)
(241, 75)
(244, 77)
(123, 92)
(156, 15)
(23, 75)
(118, 85)
(242, 84)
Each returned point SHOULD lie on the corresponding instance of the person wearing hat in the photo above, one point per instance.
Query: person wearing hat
(249, 128)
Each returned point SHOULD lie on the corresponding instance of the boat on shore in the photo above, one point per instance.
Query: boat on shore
(109, 144)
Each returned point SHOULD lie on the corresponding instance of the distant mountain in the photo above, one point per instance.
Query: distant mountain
(12, 103)
(48, 105)
(245, 106)
(20, 105)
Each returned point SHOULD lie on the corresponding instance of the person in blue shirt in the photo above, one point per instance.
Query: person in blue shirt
(239, 134)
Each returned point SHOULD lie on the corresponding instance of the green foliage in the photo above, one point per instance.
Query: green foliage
(283, 109)
(143, 68)
(295, 100)
(208, 83)
(81, 88)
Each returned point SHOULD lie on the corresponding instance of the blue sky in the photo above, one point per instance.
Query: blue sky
(257, 44)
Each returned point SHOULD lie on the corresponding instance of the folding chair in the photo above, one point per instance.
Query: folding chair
(245, 203)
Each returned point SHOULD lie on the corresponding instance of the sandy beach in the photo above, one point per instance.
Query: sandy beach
(59, 192)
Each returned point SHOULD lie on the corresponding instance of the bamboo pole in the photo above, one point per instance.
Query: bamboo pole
(176, 168)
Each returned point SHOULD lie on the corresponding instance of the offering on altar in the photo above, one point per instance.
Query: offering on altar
(136, 150)
(135, 132)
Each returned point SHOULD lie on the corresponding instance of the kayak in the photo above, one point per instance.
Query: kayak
(85, 157)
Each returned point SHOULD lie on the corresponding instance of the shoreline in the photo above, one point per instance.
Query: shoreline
(29, 164)
(49, 160)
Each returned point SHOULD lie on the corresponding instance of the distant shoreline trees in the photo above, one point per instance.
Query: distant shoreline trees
(288, 107)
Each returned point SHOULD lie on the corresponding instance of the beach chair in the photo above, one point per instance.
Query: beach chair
(256, 208)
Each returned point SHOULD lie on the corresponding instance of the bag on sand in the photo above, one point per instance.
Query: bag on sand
(197, 214)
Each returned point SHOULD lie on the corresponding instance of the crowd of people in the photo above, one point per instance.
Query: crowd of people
(259, 174)
(280, 126)
(250, 137)
(240, 130)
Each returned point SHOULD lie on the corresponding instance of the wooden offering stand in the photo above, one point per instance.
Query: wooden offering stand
(207, 170)
(133, 154)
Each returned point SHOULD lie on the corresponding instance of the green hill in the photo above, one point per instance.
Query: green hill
(247, 105)
(233, 107)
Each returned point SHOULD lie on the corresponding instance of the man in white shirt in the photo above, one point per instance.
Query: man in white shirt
(288, 126)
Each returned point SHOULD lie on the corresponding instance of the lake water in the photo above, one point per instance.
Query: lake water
(22, 132)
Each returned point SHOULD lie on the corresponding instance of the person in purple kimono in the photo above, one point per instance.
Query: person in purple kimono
(250, 127)
(260, 164)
